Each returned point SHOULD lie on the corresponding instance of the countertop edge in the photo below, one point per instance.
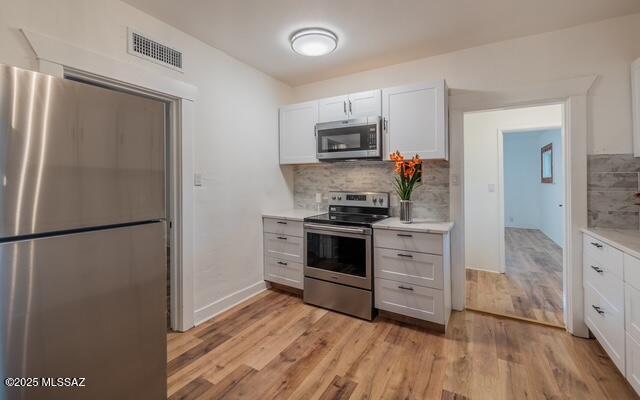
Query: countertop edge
(414, 228)
(611, 242)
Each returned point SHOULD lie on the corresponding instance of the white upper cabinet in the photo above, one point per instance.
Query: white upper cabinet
(297, 133)
(333, 109)
(635, 97)
(364, 104)
(415, 120)
(356, 105)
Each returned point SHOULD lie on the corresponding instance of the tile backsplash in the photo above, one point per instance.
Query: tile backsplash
(613, 179)
(431, 199)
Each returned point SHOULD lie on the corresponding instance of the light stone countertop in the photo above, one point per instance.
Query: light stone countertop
(626, 240)
(292, 214)
(418, 225)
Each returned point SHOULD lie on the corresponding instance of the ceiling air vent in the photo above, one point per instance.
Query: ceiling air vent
(142, 46)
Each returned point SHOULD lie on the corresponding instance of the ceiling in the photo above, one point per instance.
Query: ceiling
(372, 33)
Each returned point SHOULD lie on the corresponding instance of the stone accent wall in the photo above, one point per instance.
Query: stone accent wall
(431, 199)
(612, 182)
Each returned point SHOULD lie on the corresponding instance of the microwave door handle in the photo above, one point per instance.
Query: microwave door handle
(344, 107)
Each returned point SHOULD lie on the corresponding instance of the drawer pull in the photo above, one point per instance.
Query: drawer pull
(405, 255)
(598, 309)
(282, 263)
(282, 222)
(282, 238)
(405, 288)
(598, 245)
(598, 270)
(404, 235)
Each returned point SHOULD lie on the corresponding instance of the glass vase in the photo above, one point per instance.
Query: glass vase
(405, 211)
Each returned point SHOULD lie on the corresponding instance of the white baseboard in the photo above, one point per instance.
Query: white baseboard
(485, 270)
(219, 306)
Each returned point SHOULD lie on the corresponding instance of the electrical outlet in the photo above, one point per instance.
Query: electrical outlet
(318, 197)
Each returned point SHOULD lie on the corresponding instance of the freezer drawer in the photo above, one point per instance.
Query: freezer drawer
(74, 155)
(86, 305)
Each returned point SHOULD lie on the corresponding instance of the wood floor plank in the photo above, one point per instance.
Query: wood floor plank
(339, 389)
(222, 389)
(530, 288)
(193, 390)
(309, 353)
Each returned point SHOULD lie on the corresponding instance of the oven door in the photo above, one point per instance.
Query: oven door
(355, 138)
(338, 254)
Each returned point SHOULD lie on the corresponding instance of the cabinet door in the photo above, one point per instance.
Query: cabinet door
(365, 104)
(297, 133)
(415, 117)
(333, 109)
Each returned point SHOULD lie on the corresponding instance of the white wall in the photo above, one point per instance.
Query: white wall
(606, 48)
(482, 208)
(521, 181)
(552, 194)
(236, 123)
(529, 203)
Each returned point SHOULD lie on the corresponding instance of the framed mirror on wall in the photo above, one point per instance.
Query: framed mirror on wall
(546, 164)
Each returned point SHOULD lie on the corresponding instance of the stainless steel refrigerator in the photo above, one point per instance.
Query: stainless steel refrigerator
(82, 240)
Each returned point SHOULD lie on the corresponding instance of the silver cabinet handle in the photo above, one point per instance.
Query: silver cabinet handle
(350, 108)
(282, 238)
(404, 235)
(344, 106)
(282, 263)
(598, 270)
(405, 255)
(598, 245)
(598, 309)
(405, 288)
(282, 222)
(384, 124)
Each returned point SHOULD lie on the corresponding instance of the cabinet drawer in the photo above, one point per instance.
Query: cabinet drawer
(410, 300)
(283, 247)
(283, 271)
(607, 326)
(410, 267)
(600, 276)
(598, 251)
(632, 271)
(282, 227)
(632, 372)
(632, 311)
(409, 241)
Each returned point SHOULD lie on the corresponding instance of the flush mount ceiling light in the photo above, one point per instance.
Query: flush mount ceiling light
(313, 42)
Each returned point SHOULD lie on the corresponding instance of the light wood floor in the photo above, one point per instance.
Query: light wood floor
(276, 347)
(531, 287)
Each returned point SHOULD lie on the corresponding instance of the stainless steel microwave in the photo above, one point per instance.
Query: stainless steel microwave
(349, 139)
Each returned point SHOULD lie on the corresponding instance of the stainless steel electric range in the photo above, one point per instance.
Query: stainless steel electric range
(338, 252)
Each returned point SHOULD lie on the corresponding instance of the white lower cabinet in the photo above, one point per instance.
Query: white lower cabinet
(606, 323)
(412, 274)
(283, 272)
(410, 300)
(633, 363)
(283, 249)
(611, 281)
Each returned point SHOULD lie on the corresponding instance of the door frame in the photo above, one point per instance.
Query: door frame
(502, 188)
(61, 59)
(573, 93)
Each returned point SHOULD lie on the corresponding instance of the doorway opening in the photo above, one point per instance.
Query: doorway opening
(170, 133)
(514, 212)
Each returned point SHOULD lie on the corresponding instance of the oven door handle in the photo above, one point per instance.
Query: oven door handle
(335, 228)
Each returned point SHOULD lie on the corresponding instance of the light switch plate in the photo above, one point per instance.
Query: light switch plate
(318, 197)
(197, 179)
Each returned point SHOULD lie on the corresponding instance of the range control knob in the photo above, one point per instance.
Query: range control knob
(375, 200)
(381, 200)
(333, 197)
(339, 197)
